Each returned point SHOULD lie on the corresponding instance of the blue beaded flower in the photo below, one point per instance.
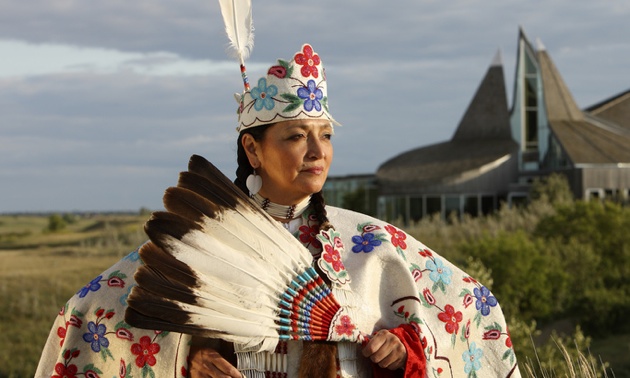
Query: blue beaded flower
(262, 95)
(311, 96)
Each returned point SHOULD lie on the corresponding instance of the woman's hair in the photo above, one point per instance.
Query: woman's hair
(245, 169)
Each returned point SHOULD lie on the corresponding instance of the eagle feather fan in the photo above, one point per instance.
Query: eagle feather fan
(219, 266)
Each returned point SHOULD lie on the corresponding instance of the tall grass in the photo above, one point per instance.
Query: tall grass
(40, 271)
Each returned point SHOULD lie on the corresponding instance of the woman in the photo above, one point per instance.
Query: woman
(427, 317)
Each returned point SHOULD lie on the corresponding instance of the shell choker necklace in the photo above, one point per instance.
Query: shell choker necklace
(282, 211)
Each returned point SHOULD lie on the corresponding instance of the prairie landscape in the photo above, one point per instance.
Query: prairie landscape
(559, 268)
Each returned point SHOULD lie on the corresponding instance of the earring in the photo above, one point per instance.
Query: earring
(253, 183)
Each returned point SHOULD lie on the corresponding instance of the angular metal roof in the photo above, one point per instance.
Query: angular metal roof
(585, 139)
(482, 138)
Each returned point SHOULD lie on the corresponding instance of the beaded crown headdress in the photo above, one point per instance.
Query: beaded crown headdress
(293, 89)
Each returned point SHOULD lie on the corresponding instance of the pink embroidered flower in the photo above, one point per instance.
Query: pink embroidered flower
(451, 318)
(346, 327)
(428, 296)
(308, 235)
(333, 257)
(63, 371)
(308, 60)
(145, 350)
(337, 242)
(398, 237)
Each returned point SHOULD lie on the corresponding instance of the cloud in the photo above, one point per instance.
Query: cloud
(111, 97)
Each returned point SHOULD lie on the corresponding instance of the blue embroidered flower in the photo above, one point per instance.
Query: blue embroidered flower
(311, 95)
(365, 243)
(472, 358)
(94, 285)
(133, 256)
(123, 298)
(262, 95)
(439, 271)
(96, 336)
(485, 300)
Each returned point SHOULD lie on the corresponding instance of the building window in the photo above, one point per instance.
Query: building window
(530, 87)
(594, 194)
(452, 206)
(416, 208)
(487, 204)
(471, 205)
(434, 205)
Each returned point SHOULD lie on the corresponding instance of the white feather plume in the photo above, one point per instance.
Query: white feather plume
(239, 26)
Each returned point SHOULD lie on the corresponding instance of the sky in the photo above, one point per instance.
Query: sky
(102, 102)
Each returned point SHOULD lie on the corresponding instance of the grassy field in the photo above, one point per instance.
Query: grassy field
(40, 271)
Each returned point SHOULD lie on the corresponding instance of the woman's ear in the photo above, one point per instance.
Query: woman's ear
(250, 145)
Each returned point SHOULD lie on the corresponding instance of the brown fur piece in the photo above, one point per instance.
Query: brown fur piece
(319, 360)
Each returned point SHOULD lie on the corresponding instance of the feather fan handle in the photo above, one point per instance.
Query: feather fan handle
(239, 27)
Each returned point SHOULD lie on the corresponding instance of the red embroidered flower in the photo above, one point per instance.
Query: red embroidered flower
(468, 300)
(63, 371)
(91, 374)
(308, 60)
(122, 371)
(398, 237)
(308, 235)
(124, 333)
(508, 342)
(469, 279)
(492, 334)
(425, 253)
(428, 296)
(277, 71)
(115, 282)
(451, 318)
(61, 332)
(416, 274)
(346, 327)
(145, 351)
(333, 257)
(370, 228)
(467, 333)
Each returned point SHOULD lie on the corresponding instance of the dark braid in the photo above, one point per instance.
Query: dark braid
(319, 207)
(245, 169)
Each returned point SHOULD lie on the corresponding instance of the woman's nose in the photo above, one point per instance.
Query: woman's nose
(315, 149)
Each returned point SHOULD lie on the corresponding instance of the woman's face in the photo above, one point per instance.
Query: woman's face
(292, 159)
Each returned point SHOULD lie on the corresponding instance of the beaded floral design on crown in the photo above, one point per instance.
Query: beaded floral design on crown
(293, 89)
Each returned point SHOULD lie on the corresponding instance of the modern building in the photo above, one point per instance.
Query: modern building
(496, 152)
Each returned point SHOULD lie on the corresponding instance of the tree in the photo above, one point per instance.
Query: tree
(55, 223)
